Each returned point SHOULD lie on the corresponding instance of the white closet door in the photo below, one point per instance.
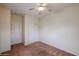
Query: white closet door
(16, 30)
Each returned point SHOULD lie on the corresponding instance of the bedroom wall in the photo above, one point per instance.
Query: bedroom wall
(30, 29)
(62, 29)
(5, 18)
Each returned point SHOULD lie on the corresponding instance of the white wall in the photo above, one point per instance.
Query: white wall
(30, 29)
(16, 29)
(4, 29)
(62, 29)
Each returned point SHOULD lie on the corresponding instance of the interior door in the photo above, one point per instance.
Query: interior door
(16, 29)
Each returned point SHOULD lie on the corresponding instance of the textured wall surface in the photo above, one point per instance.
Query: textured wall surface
(5, 18)
(62, 29)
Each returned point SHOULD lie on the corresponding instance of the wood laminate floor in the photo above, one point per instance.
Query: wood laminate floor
(36, 49)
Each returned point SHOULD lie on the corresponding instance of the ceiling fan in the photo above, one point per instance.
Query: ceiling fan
(40, 7)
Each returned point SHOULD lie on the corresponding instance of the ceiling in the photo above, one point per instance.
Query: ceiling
(23, 8)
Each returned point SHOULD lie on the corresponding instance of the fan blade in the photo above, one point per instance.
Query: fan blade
(40, 13)
(31, 8)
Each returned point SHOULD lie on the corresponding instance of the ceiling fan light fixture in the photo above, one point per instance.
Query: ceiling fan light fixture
(41, 8)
